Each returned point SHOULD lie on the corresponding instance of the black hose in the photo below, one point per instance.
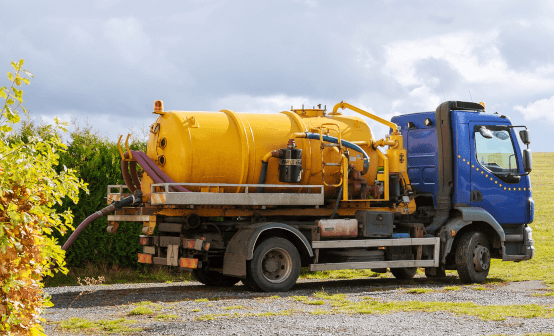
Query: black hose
(263, 174)
(337, 203)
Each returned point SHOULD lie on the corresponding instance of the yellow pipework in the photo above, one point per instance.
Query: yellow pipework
(385, 174)
(386, 142)
(267, 156)
(329, 129)
(126, 146)
(297, 135)
(344, 162)
(345, 105)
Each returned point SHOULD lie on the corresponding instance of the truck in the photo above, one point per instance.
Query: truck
(256, 197)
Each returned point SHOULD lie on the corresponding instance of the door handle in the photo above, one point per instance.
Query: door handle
(476, 196)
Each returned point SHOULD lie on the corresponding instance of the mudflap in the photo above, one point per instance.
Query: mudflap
(234, 262)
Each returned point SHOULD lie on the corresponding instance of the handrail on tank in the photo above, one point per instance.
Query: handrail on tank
(246, 187)
(322, 126)
(345, 105)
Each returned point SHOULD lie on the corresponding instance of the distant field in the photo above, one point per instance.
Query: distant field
(542, 266)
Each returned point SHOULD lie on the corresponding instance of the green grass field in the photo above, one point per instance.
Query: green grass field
(541, 267)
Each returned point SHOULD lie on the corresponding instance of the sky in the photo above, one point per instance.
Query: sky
(105, 62)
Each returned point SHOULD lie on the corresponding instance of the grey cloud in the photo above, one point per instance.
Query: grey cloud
(527, 47)
(117, 57)
(438, 74)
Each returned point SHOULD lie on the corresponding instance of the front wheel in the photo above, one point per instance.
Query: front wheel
(473, 258)
(275, 266)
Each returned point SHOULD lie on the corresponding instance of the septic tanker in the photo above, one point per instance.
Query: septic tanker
(254, 197)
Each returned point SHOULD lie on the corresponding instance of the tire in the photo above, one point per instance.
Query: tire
(405, 273)
(275, 266)
(435, 274)
(473, 257)
(214, 278)
(250, 286)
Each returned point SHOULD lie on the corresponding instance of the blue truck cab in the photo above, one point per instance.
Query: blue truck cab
(471, 178)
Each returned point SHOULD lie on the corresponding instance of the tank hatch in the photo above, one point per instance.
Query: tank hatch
(313, 112)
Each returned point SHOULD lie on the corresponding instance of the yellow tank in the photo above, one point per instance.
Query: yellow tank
(228, 147)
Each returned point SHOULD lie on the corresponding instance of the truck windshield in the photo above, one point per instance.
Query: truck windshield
(496, 154)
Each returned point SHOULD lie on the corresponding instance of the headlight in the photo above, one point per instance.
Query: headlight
(529, 233)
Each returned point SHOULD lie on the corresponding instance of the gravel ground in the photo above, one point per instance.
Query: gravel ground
(295, 316)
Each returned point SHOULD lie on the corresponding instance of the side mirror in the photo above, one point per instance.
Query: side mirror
(524, 136)
(527, 161)
(485, 132)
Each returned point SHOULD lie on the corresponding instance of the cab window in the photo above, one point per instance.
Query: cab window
(494, 150)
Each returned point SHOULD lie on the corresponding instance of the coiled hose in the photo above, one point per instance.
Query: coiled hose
(133, 183)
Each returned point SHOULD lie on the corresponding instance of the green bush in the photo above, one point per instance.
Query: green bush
(31, 185)
(97, 162)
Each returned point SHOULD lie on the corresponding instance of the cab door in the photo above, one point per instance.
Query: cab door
(496, 165)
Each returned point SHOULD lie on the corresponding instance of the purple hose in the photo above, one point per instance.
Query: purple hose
(157, 175)
(80, 228)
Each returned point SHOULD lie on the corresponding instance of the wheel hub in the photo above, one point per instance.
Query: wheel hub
(276, 265)
(481, 258)
(271, 265)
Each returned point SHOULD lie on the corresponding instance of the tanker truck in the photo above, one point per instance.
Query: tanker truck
(255, 197)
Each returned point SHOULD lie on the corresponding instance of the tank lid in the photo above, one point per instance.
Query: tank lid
(313, 112)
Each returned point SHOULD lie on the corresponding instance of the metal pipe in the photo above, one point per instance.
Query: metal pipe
(263, 172)
(345, 105)
(383, 143)
(385, 173)
(297, 135)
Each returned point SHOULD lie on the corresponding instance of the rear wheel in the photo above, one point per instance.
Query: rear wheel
(473, 258)
(250, 285)
(405, 273)
(435, 272)
(215, 279)
(275, 266)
